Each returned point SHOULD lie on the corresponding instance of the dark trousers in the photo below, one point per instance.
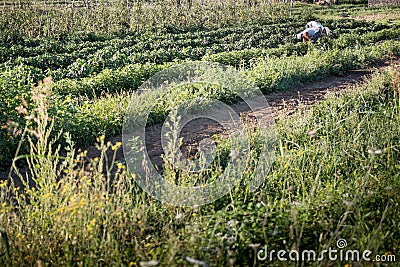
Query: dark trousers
(316, 36)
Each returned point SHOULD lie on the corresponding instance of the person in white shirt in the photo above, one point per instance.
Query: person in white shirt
(316, 24)
(309, 34)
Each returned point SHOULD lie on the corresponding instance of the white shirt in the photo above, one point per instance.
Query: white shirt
(314, 24)
(311, 31)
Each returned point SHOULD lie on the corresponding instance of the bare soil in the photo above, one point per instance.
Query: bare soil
(282, 103)
(379, 16)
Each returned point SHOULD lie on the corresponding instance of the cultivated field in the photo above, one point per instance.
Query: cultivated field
(69, 69)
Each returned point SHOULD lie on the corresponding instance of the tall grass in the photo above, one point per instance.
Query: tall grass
(336, 175)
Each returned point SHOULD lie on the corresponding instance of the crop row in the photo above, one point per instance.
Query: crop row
(145, 41)
(280, 73)
(38, 46)
(39, 54)
(105, 115)
(87, 119)
(115, 59)
(130, 76)
(244, 57)
(92, 60)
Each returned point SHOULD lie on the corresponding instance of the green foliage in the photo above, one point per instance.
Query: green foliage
(108, 81)
(280, 73)
(338, 182)
(353, 40)
(15, 86)
(336, 168)
(86, 118)
(82, 54)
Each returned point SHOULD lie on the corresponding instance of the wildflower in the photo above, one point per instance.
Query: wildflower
(3, 183)
(120, 165)
(116, 146)
(91, 225)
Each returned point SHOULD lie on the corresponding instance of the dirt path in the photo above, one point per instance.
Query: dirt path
(283, 103)
(390, 15)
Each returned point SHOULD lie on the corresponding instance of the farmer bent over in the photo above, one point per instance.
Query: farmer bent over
(309, 34)
(315, 24)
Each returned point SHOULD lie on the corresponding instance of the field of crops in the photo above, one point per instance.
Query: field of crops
(90, 71)
(69, 89)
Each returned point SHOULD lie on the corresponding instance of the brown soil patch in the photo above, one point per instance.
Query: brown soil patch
(379, 16)
(283, 103)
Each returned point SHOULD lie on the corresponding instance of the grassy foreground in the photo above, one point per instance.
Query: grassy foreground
(336, 175)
